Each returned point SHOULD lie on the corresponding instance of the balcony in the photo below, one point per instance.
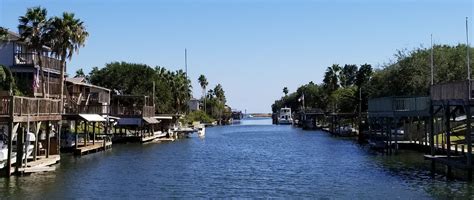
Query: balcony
(132, 106)
(23, 109)
(452, 91)
(399, 106)
(28, 59)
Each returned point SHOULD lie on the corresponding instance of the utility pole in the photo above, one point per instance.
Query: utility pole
(186, 62)
(432, 61)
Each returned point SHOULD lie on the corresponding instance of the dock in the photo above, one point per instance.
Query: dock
(43, 164)
(92, 148)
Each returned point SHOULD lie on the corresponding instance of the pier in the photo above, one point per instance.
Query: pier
(33, 123)
(87, 114)
(396, 120)
(451, 108)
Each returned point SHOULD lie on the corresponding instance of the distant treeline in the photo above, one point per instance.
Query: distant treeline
(173, 89)
(408, 74)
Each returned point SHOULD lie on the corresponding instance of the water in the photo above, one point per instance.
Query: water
(254, 159)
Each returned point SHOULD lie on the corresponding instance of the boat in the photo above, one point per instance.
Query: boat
(68, 140)
(285, 116)
(30, 140)
(236, 116)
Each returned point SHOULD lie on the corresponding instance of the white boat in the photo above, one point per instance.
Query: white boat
(68, 140)
(285, 116)
(30, 140)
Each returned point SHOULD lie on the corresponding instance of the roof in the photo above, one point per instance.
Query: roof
(130, 121)
(80, 81)
(150, 120)
(92, 117)
(163, 117)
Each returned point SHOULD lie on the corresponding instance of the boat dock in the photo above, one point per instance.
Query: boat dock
(99, 145)
(43, 164)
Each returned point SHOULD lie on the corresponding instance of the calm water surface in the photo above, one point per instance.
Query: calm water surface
(253, 159)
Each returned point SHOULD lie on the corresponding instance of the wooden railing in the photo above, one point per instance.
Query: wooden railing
(455, 91)
(144, 111)
(29, 59)
(148, 111)
(88, 109)
(23, 106)
(54, 89)
(399, 104)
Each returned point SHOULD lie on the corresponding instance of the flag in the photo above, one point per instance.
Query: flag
(36, 79)
(301, 98)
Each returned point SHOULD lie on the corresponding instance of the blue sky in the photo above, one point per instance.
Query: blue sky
(254, 48)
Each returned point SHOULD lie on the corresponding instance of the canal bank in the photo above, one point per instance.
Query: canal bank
(253, 159)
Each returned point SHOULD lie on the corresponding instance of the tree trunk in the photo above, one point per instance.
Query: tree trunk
(43, 82)
(61, 77)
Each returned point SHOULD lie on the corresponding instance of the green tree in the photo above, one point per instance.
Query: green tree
(203, 82)
(34, 34)
(331, 78)
(285, 91)
(7, 82)
(80, 73)
(3, 33)
(67, 34)
(347, 76)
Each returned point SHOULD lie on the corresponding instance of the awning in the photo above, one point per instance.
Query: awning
(92, 117)
(163, 117)
(150, 120)
(110, 117)
(130, 121)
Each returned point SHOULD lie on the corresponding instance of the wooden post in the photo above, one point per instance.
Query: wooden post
(93, 132)
(426, 132)
(58, 136)
(468, 141)
(448, 141)
(396, 133)
(10, 146)
(86, 135)
(389, 134)
(76, 127)
(19, 148)
(35, 150)
(432, 143)
(10, 136)
(48, 141)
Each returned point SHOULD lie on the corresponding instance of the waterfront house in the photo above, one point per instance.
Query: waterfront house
(391, 121)
(21, 62)
(451, 110)
(194, 104)
(30, 124)
(137, 122)
(87, 113)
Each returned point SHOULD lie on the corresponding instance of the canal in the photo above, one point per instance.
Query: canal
(253, 159)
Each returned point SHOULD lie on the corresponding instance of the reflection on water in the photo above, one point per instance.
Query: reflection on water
(252, 159)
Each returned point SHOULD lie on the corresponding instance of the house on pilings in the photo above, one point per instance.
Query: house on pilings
(396, 121)
(451, 126)
(29, 125)
(137, 121)
(87, 113)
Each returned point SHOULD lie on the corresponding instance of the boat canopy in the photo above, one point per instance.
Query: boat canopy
(150, 120)
(92, 117)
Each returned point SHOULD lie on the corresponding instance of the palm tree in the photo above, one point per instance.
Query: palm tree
(181, 86)
(33, 30)
(3, 33)
(67, 34)
(331, 81)
(331, 77)
(285, 91)
(203, 82)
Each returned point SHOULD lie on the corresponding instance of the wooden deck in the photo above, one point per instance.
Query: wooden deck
(43, 164)
(92, 148)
